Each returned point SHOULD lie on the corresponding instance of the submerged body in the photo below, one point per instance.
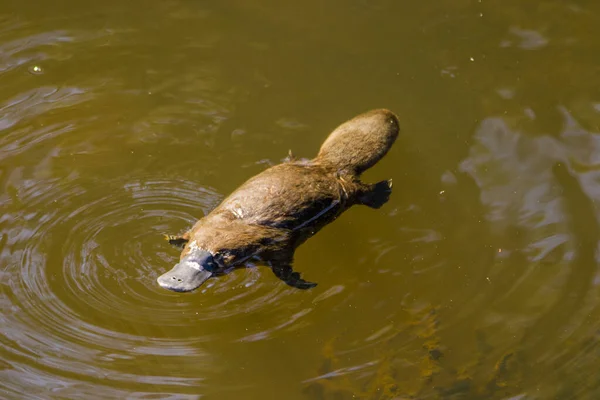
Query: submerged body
(271, 214)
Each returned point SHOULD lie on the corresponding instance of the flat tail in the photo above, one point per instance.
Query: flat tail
(358, 144)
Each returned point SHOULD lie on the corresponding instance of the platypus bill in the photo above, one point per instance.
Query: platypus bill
(274, 212)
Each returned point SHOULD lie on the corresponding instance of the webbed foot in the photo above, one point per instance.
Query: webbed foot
(176, 240)
(377, 195)
(291, 278)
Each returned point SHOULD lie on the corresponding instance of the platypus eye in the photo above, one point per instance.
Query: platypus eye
(211, 266)
(208, 262)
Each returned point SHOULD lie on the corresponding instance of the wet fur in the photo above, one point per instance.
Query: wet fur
(352, 148)
(272, 213)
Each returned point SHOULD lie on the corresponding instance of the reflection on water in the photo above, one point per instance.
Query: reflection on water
(121, 123)
(538, 192)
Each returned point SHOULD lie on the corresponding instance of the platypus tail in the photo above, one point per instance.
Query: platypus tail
(361, 142)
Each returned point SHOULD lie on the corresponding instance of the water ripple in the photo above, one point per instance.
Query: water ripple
(80, 281)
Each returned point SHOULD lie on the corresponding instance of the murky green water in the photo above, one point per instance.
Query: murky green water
(121, 121)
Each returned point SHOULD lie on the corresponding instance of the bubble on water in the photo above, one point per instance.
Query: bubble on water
(36, 70)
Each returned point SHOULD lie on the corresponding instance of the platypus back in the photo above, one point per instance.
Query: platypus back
(360, 143)
(272, 213)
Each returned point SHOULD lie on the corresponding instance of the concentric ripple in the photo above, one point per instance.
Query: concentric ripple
(80, 280)
(115, 256)
(58, 274)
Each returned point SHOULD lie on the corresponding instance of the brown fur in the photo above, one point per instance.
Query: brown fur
(352, 147)
(277, 210)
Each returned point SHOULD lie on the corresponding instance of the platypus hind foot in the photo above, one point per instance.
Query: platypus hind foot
(377, 195)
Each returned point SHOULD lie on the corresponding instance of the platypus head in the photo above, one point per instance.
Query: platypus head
(214, 250)
(198, 265)
(190, 272)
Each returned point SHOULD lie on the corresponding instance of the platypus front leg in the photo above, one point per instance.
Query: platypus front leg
(284, 271)
(178, 240)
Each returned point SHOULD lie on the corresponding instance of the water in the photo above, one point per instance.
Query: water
(122, 121)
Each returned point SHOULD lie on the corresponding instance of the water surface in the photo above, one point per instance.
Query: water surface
(121, 121)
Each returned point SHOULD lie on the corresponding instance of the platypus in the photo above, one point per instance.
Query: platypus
(274, 212)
